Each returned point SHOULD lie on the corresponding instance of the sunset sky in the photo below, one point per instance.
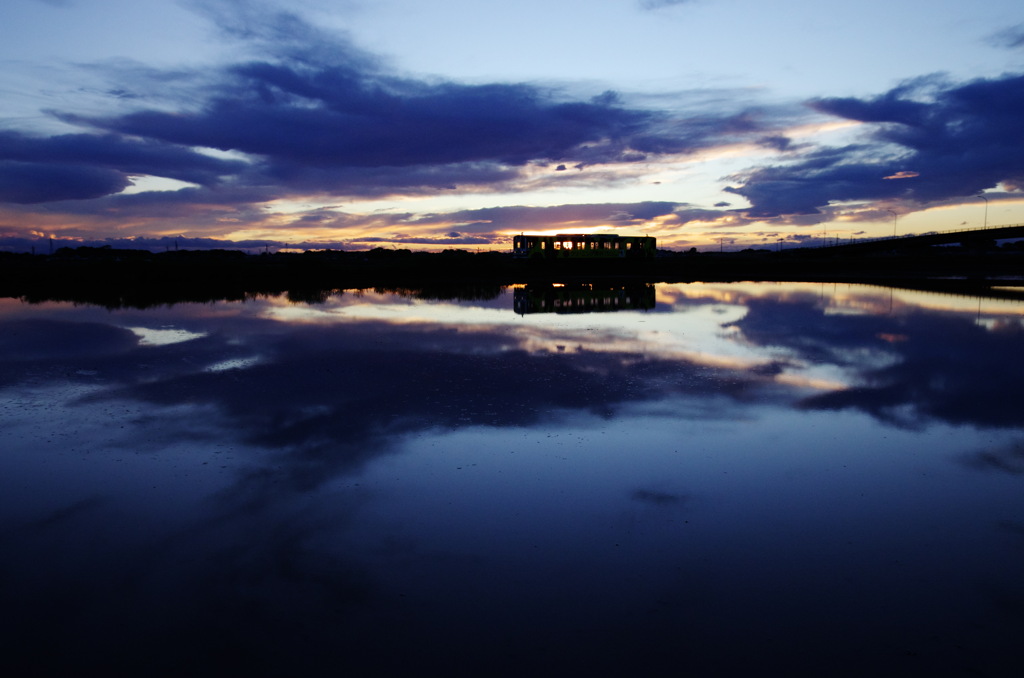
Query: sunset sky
(430, 125)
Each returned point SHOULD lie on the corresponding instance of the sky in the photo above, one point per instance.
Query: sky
(353, 124)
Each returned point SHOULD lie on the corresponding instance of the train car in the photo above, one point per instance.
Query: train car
(583, 246)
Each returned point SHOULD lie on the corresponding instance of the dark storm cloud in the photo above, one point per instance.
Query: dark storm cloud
(947, 141)
(293, 176)
(327, 116)
(313, 113)
(30, 182)
(117, 152)
(83, 166)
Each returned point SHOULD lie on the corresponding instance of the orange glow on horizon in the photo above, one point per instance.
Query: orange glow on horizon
(564, 230)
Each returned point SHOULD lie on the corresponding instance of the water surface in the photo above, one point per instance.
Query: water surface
(826, 479)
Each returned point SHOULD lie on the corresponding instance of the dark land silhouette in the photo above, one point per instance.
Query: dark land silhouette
(140, 278)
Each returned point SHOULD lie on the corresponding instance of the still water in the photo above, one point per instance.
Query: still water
(703, 479)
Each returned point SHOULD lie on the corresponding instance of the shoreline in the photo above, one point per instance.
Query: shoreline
(138, 278)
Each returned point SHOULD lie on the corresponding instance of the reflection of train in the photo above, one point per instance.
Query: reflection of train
(582, 298)
(580, 246)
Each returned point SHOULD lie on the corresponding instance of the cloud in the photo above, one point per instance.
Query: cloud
(1005, 458)
(1011, 38)
(268, 31)
(658, 4)
(966, 135)
(315, 113)
(322, 118)
(27, 182)
(350, 230)
(82, 166)
(446, 240)
(308, 113)
(524, 218)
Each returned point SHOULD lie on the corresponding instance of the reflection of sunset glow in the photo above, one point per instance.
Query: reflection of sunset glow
(562, 230)
(704, 327)
(839, 297)
(892, 338)
(800, 381)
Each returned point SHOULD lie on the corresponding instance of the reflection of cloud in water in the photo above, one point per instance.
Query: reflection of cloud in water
(232, 364)
(944, 366)
(272, 570)
(1007, 459)
(233, 576)
(1014, 527)
(254, 594)
(328, 400)
(45, 339)
(658, 498)
(66, 514)
(319, 387)
(159, 337)
(837, 298)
